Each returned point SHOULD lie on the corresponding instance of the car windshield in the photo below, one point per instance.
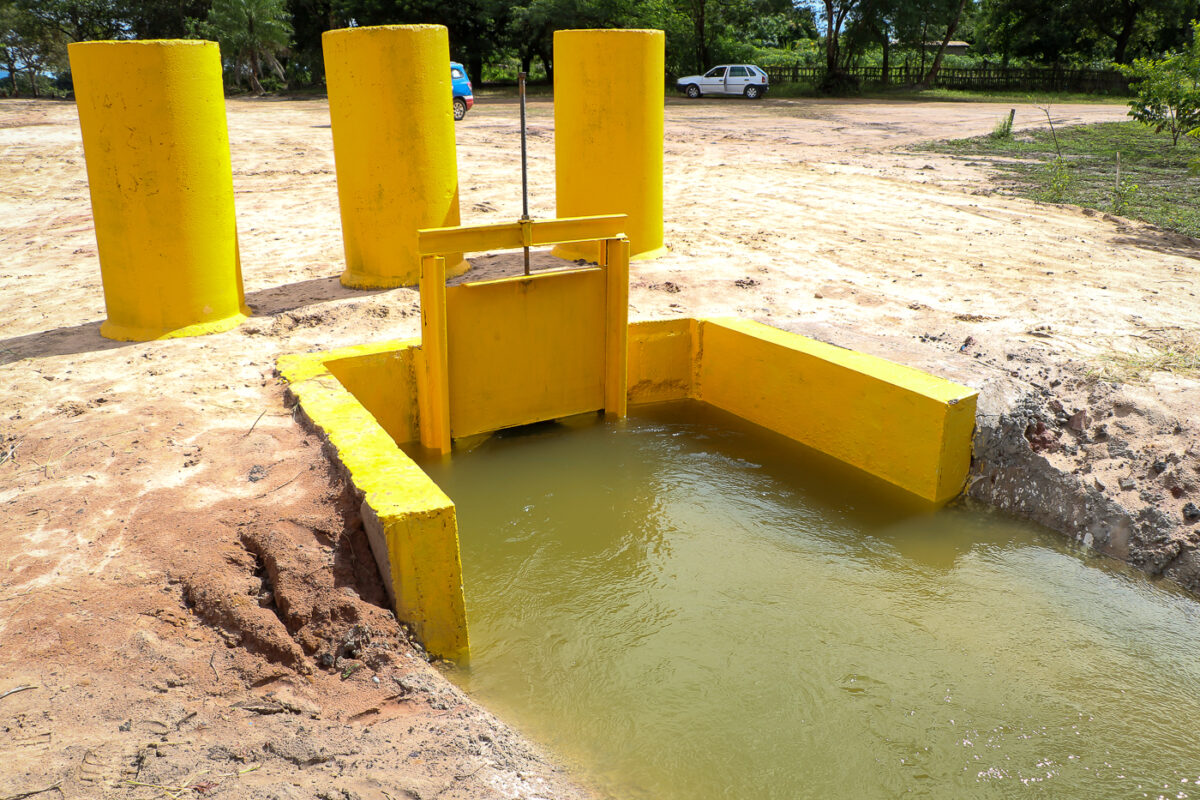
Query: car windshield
(715, 72)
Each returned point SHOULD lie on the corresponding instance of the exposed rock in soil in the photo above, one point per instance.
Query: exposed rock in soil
(1109, 466)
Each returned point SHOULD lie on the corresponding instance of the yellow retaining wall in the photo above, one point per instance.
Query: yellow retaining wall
(393, 144)
(410, 522)
(897, 423)
(908, 427)
(152, 115)
(608, 133)
(660, 360)
(384, 383)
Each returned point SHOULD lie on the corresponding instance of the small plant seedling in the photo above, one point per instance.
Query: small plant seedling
(1123, 191)
(1003, 129)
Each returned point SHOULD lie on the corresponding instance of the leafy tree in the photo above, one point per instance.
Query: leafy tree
(310, 19)
(1027, 29)
(1083, 30)
(951, 26)
(837, 12)
(1122, 29)
(1168, 90)
(869, 23)
(530, 30)
(162, 19)
(80, 20)
(529, 26)
(475, 26)
(252, 34)
(10, 41)
(742, 24)
(28, 45)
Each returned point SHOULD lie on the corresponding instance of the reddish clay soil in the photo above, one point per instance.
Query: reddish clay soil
(186, 584)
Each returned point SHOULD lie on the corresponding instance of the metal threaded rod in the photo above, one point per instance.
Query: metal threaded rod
(524, 163)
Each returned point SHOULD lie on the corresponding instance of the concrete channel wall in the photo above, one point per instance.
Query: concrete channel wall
(897, 423)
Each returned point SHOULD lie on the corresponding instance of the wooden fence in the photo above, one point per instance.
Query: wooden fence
(1010, 79)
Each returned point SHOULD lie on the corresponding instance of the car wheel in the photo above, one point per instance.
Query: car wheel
(460, 108)
(693, 91)
(752, 93)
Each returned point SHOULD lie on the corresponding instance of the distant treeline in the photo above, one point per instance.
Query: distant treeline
(269, 44)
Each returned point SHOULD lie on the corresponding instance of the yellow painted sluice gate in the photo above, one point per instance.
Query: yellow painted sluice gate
(514, 351)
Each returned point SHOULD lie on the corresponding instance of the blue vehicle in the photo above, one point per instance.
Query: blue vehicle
(463, 97)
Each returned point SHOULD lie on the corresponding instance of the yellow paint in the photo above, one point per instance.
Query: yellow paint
(614, 259)
(410, 522)
(608, 133)
(433, 388)
(384, 383)
(525, 349)
(393, 143)
(524, 233)
(900, 424)
(660, 360)
(152, 115)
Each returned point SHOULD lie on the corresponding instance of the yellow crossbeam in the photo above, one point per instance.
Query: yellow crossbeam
(523, 233)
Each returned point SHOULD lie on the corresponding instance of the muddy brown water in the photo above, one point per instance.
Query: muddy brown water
(682, 605)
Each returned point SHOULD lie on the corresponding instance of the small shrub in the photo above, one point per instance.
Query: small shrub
(1123, 195)
(1123, 190)
(1057, 181)
(839, 83)
(1003, 129)
(1168, 89)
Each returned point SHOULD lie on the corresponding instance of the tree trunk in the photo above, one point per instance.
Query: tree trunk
(701, 29)
(526, 61)
(886, 51)
(937, 60)
(255, 86)
(1123, 35)
(475, 66)
(831, 42)
(924, 37)
(548, 65)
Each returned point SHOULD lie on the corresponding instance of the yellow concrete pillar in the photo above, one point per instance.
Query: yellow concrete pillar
(390, 102)
(608, 133)
(152, 115)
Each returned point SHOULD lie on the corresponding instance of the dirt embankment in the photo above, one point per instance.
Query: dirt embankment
(184, 577)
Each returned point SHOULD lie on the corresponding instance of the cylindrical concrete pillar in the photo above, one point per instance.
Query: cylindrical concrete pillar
(608, 133)
(152, 115)
(391, 105)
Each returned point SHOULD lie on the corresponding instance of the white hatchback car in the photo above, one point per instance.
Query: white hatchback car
(740, 79)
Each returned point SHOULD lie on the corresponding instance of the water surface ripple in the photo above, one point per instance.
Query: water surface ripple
(685, 606)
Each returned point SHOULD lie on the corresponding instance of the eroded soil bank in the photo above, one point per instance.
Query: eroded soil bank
(183, 580)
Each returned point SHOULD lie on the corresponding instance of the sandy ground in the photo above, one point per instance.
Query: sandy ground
(186, 585)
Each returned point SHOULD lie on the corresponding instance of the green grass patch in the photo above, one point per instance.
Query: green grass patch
(976, 96)
(793, 89)
(1155, 186)
(809, 89)
(504, 90)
